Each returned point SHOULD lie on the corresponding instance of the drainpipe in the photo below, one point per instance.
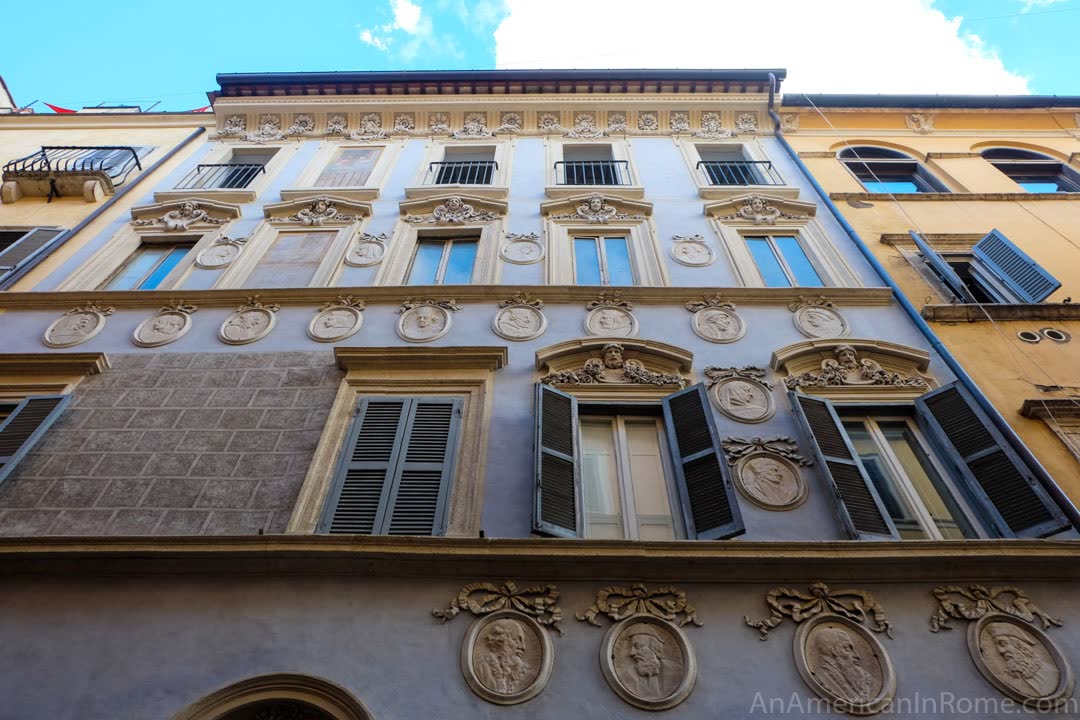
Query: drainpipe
(63, 237)
(1003, 426)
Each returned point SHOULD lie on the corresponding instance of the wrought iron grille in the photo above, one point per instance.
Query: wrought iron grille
(592, 172)
(221, 176)
(461, 172)
(114, 161)
(740, 172)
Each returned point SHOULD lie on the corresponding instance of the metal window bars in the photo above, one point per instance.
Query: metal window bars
(116, 161)
(461, 172)
(214, 176)
(740, 172)
(592, 172)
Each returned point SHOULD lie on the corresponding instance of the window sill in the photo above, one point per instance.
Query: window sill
(957, 196)
(723, 192)
(230, 195)
(630, 192)
(491, 192)
(360, 194)
(1001, 311)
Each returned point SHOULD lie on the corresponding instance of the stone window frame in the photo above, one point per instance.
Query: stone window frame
(463, 372)
(1061, 416)
(220, 154)
(304, 185)
(751, 149)
(262, 239)
(334, 700)
(435, 151)
(621, 149)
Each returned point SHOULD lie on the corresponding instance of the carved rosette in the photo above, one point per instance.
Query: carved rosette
(404, 123)
(371, 128)
(548, 122)
(303, 124)
(439, 123)
(679, 121)
(836, 650)
(510, 122)
(168, 325)
(711, 128)
(77, 325)
(269, 130)
(252, 321)
(611, 316)
(475, 126)
(221, 253)
(585, 127)
(716, 320)
(234, 126)
(767, 470)
(506, 654)
(616, 122)
(337, 320)
(1009, 649)
(522, 249)
(425, 320)
(817, 317)
(789, 122)
(645, 656)
(337, 124)
(741, 393)
(746, 122)
(520, 318)
(367, 250)
(648, 121)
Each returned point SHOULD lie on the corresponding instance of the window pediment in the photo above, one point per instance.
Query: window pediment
(596, 208)
(607, 363)
(184, 213)
(452, 209)
(759, 209)
(320, 210)
(854, 369)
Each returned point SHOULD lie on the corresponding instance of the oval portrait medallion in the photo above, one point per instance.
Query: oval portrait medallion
(743, 400)
(365, 253)
(247, 326)
(817, 321)
(693, 252)
(770, 481)
(845, 664)
(718, 325)
(1020, 661)
(423, 323)
(218, 255)
(611, 322)
(522, 249)
(519, 322)
(648, 662)
(506, 657)
(161, 329)
(74, 328)
(335, 323)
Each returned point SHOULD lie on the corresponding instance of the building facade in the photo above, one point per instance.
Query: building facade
(548, 350)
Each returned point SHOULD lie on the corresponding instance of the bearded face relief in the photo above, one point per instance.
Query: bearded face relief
(1020, 660)
(844, 664)
(506, 657)
(648, 662)
(718, 325)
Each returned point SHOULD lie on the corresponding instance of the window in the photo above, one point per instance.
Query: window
(18, 248)
(349, 167)
(443, 261)
(463, 166)
(148, 266)
(881, 170)
(242, 167)
(782, 261)
(600, 260)
(1035, 172)
(291, 260)
(23, 424)
(729, 166)
(624, 476)
(396, 467)
(591, 165)
(996, 271)
(604, 474)
(915, 472)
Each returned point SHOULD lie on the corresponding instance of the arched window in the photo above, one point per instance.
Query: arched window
(278, 697)
(278, 710)
(1035, 172)
(882, 170)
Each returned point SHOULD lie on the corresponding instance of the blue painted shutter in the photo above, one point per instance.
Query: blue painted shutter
(709, 503)
(943, 269)
(556, 508)
(856, 501)
(998, 482)
(1014, 268)
(25, 426)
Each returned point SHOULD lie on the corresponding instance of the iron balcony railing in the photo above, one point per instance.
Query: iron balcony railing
(740, 172)
(113, 162)
(221, 176)
(461, 172)
(592, 172)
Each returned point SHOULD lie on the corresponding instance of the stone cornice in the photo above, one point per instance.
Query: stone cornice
(481, 357)
(1051, 408)
(85, 121)
(533, 558)
(78, 363)
(376, 103)
(649, 349)
(958, 242)
(957, 197)
(390, 295)
(822, 348)
(982, 313)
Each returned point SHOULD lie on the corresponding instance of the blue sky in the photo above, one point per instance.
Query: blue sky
(69, 54)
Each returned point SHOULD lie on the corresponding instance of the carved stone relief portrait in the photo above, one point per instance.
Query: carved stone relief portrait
(1020, 660)
(718, 325)
(770, 481)
(519, 322)
(843, 663)
(506, 657)
(692, 251)
(251, 322)
(820, 321)
(648, 662)
(423, 323)
(76, 326)
(164, 327)
(337, 321)
(221, 254)
(368, 250)
(741, 393)
(522, 249)
(611, 322)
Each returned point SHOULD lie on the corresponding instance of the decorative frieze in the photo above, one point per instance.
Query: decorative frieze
(715, 319)
(425, 320)
(404, 122)
(616, 121)
(741, 393)
(920, 123)
(817, 317)
(234, 126)
(77, 325)
(789, 122)
(268, 129)
(711, 127)
(183, 215)
(847, 368)
(612, 367)
(548, 123)
(337, 124)
(168, 325)
(520, 318)
(252, 321)
(319, 211)
(453, 211)
(760, 210)
(611, 316)
(597, 209)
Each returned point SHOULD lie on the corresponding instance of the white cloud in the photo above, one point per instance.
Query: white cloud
(1030, 5)
(406, 15)
(379, 42)
(853, 46)
(408, 18)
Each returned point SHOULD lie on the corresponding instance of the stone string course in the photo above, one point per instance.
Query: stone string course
(176, 444)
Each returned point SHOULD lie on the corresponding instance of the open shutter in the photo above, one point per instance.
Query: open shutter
(421, 487)
(26, 424)
(1014, 268)
(556, 511)
(943, 269)
(998, 481)
(856, 500)
(710, 507)
(18, 253)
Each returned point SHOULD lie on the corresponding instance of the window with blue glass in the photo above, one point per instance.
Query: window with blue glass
(1035, 172)
(782, 261)
(602, 260)
(882, 170)
(148, 266)
(443, 261)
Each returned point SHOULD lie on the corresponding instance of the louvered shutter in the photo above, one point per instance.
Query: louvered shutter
(1014, 268)
(710, 507)
(556, 509)
(856, 500)
(943, 269)
(22, 250)
(25, 426)
(421, 487)
(997, 480)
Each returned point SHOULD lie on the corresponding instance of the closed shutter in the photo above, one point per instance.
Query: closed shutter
(395, 470)
(18, 253)
(997, 480)
(943, 269)
(1014, 268)
(710, 507)
(26, 424)
(556, 508)
(856, 500)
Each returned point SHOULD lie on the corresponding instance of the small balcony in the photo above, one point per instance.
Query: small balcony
(461, 172)
(592, 172)
(221, 176)
(70, 170)
(739, 172)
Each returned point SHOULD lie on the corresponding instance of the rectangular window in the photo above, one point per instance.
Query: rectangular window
(149, 265)
(238, 171)
(291, 260)
(463, 166)
(730, 166)
(601, 260)
(349, 167)
(443, 261)
(783, 262)
(591, 165)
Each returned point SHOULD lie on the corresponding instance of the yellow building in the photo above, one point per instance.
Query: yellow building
(972, 205)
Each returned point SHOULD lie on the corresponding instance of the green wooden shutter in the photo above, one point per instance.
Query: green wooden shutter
(709, 503)
(421, 487)
(943, 269)
(997, 480)
(556, 509)
(1014, 268)
(25, 426)
(855, 498)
